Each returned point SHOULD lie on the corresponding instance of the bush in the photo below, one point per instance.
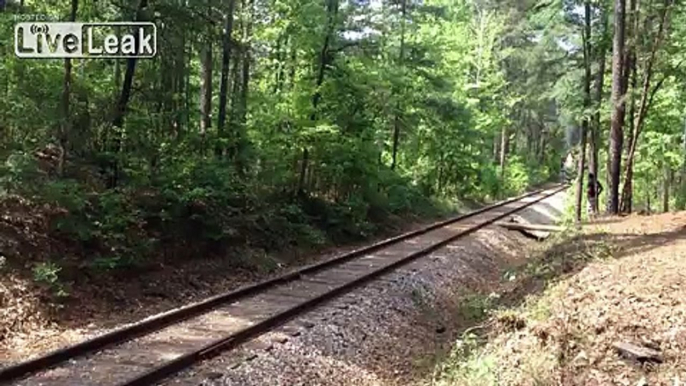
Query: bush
(47, 273)
(517, 176)
(198, 206)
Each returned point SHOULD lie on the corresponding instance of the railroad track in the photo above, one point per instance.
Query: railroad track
(147, 352)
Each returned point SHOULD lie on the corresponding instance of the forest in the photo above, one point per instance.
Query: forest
(279, 123)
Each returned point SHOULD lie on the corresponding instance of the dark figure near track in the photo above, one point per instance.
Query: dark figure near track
(593, 192)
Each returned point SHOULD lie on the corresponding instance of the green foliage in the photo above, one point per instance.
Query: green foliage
(468, 364)
(20, 173)
(569, 213)
(47, 273)
(317, 93)
(475, 307)
(516, 176)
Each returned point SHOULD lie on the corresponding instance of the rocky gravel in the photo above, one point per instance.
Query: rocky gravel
(390, 332)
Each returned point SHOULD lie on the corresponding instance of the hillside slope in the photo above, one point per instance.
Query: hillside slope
(619, 283)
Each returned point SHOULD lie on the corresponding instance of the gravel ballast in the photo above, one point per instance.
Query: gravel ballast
(389, 332)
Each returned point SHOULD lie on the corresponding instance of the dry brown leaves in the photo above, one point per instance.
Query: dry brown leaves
(637, 297)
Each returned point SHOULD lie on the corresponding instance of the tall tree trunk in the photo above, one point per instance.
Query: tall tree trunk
(224, 78)
(234, 133)
(541, 146)
(167, 73)
(324, 56)
(187, 101)
(587, 104)
(681, 197)
(618, 105)
(65, 122)
(121, 107)
(304, 161)
(398, 106)
(180, 83)
(646, 100)
(241, 165)
(666, 186)
(117, 72)
(600, 80)
(324, 61)
(294, 64)
(512, 141)
(206, 89)
(626, 202)
(630, 81)
(504, 147)
(580, 178)
(496, 148)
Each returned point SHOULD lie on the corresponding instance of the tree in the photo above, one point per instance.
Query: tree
(618, 108)
(368, 109)
(586, 39)
(224, 83)
(647, 96)
(598, 96)
(65, 124)
(401, 56)
(121, 106)
(206, 78)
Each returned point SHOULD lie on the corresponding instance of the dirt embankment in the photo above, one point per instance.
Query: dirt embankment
(604, 307)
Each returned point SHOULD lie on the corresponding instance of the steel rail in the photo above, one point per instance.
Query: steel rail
(235, 339)
(181, 314)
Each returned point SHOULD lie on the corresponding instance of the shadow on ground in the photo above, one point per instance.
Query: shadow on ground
(567, 255)
(564, 256)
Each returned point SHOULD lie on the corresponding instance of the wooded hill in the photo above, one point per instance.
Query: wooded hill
(271, 123)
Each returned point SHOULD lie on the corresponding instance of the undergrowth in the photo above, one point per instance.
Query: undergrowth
(197, 207)
(483, 356)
